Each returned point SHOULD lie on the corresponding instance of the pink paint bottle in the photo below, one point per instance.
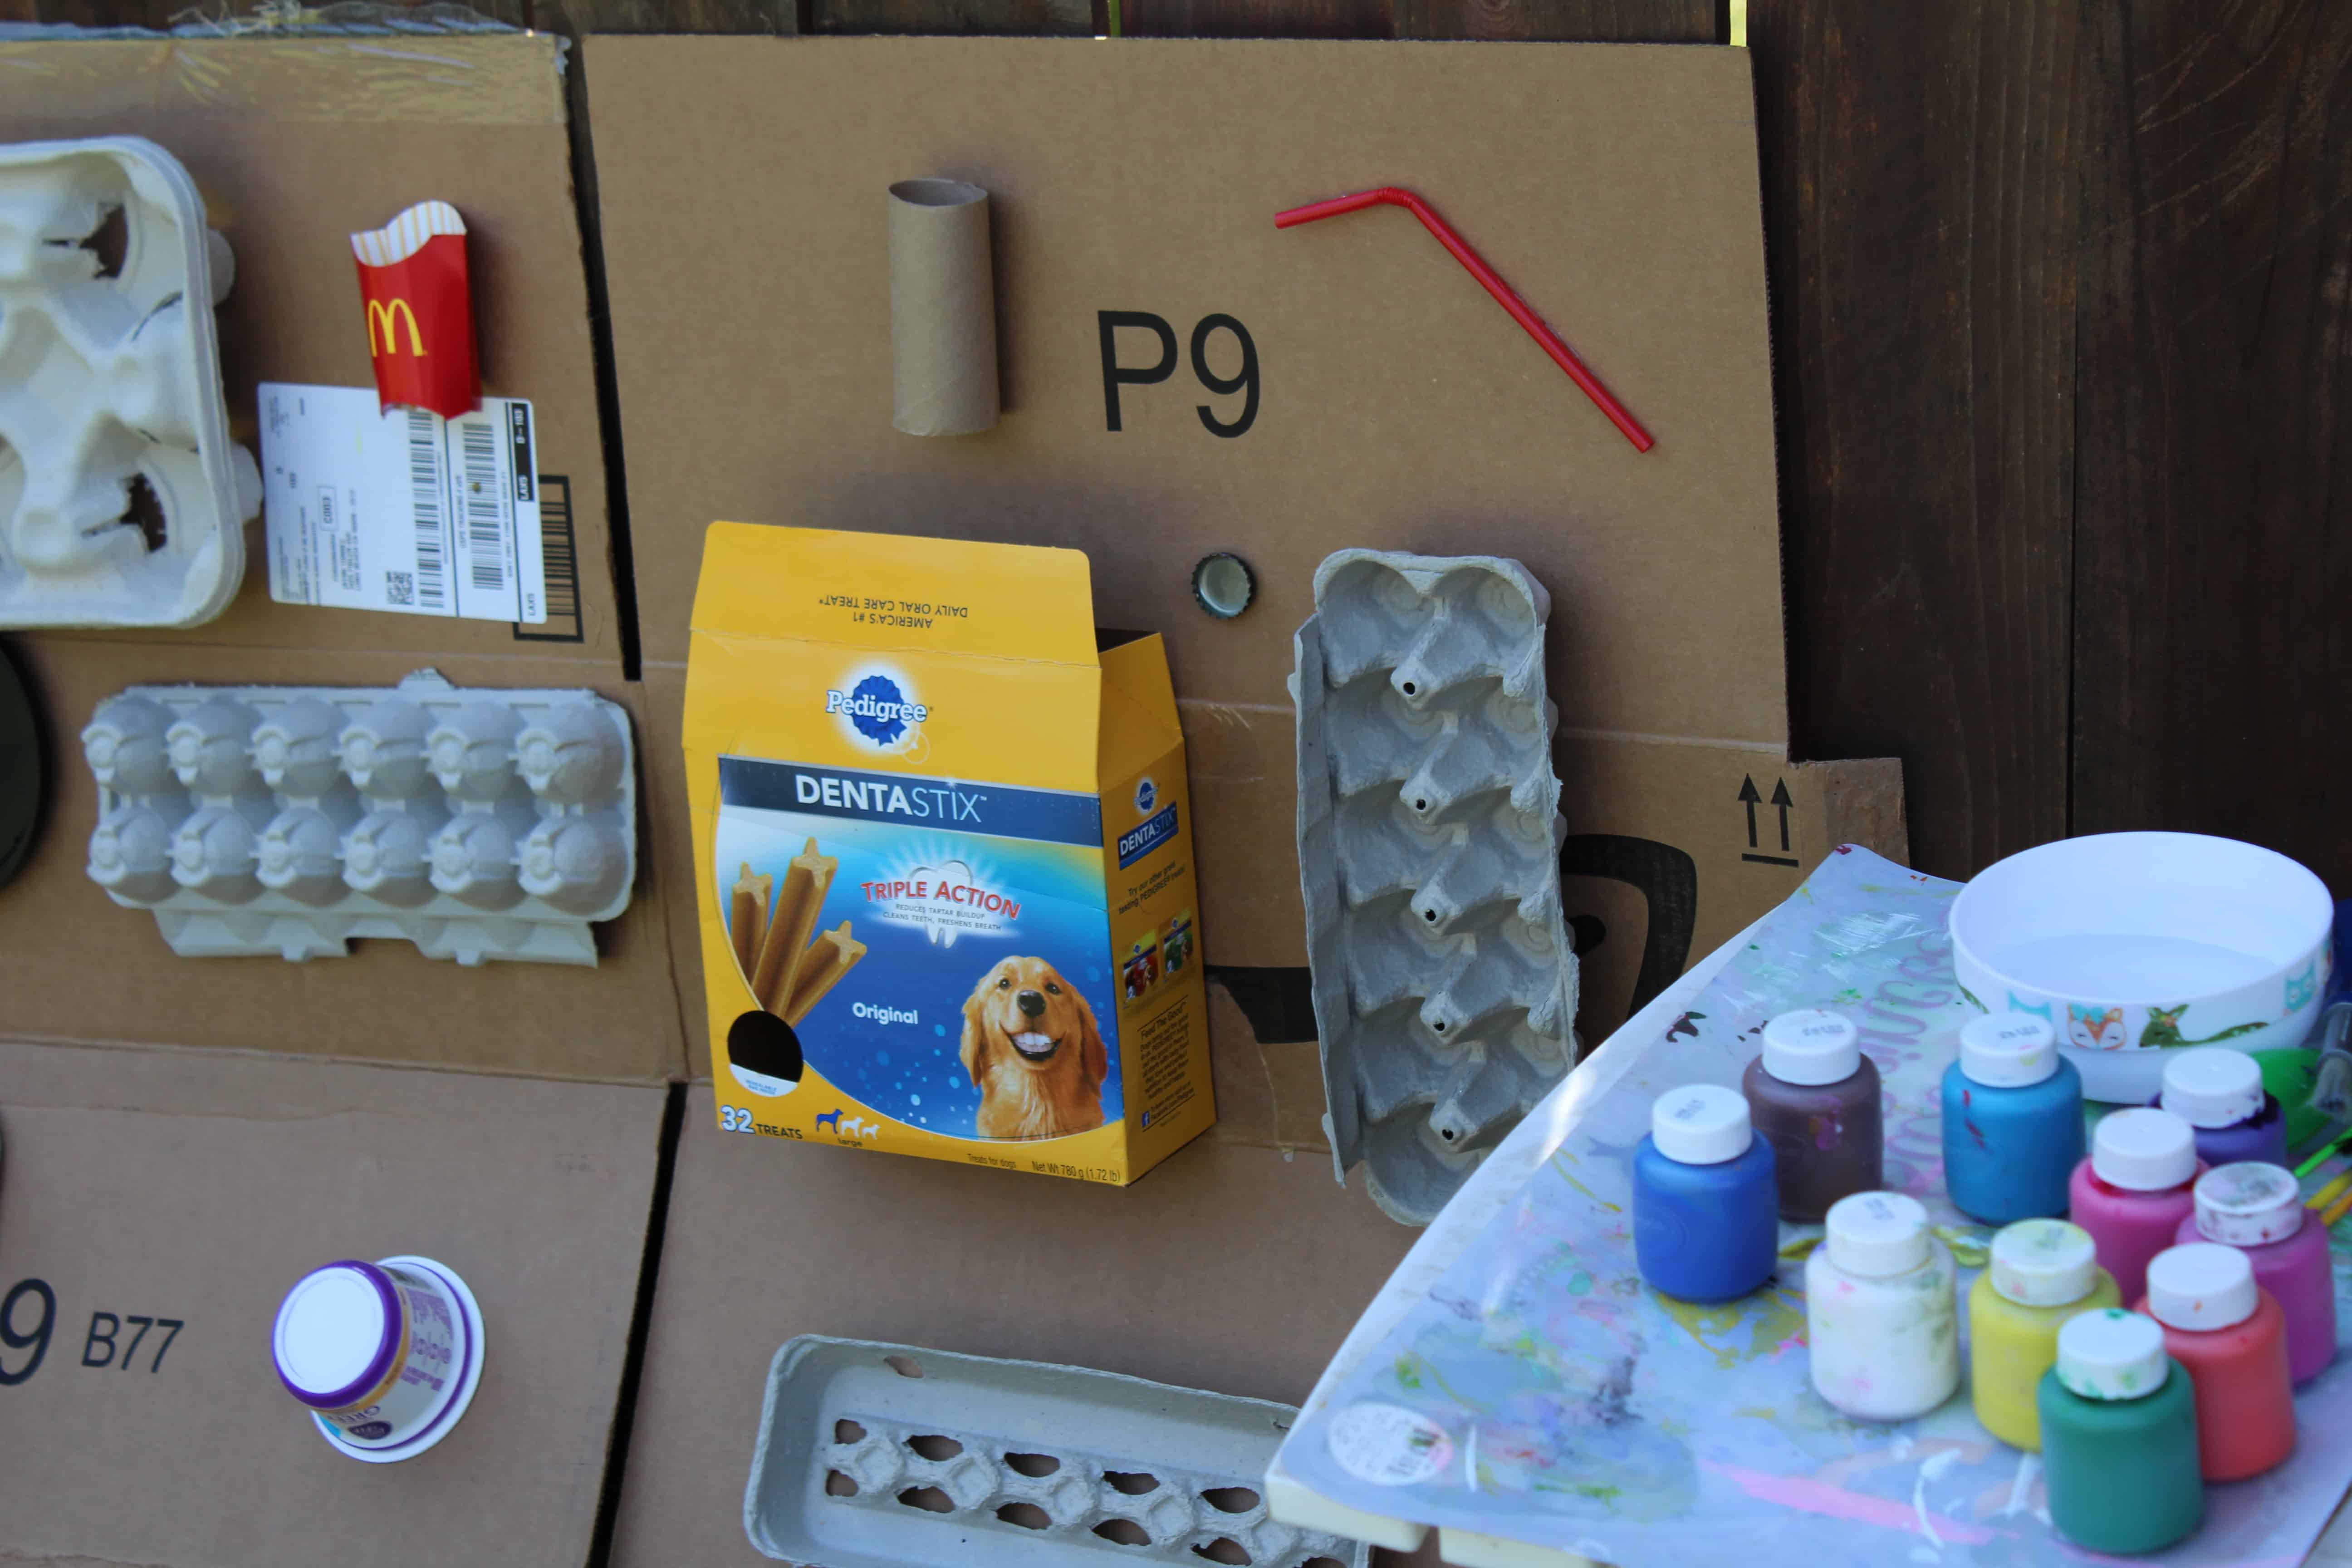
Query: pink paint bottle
(2134, 1191)
(2258, 1209)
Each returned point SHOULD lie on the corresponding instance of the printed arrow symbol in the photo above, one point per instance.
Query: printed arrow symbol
(1779, 798)
(1748, 797)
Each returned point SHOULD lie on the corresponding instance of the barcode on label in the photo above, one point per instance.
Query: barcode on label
(424, 484)
(485, 516)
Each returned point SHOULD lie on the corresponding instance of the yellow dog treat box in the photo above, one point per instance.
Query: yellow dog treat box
(932, 809)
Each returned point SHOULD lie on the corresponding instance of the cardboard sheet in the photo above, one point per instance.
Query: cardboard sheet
(1233, 1269)
(191, 1189)
(296, 145)
(1392, 405)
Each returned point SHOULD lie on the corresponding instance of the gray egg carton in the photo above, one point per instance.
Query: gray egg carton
(122, 499)
(1429, 835)
(289, 819)
(883, 1456)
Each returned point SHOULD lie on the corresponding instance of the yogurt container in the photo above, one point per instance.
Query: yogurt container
(384, 1356)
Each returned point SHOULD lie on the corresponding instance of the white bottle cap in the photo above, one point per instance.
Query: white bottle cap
(2008, 1050)
(2201, 1285)
(2143, 1151)
(1812, 1045)
(1878, 1234)
(2044, 1262)
(2247, 1204)
(2212, 1086)
(2112, 1355)
(1700, 1125)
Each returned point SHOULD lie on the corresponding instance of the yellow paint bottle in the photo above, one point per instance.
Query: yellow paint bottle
(2041, 1273)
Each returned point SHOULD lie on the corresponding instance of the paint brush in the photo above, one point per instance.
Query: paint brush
(2336, 1211)
(2327, 1151)
(2330, 1192)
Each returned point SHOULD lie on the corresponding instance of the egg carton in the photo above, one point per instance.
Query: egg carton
(883, 1456)
(122, 499)
(1429, 838)
(289, 819)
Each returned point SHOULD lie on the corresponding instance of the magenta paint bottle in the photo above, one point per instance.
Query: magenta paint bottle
(2134, 1191)
(2258, 1209)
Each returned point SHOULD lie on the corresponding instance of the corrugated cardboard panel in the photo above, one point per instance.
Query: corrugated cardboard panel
(193, 1188)
(297, 144)
(1228, 1268)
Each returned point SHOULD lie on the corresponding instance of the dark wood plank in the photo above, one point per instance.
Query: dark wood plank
(1258, 19)
(1597, 21)
(1051, 18)
(2213, 547)
(577, 18)
(1920, 219)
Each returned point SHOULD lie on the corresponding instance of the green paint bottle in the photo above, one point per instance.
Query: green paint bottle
(2119, 1437)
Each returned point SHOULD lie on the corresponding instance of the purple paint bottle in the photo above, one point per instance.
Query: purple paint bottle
(2258, 1209)
(2219, 1092)
(1814, 1097)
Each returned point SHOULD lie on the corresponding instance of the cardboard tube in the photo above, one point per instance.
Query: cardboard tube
(747, 921)
(836, 953)
(942, 309)
(807, 878)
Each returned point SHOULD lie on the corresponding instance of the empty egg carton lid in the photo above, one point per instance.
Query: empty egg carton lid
(886, 1456)
(122, 499)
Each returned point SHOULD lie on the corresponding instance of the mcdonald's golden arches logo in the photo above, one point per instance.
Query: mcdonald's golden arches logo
(388, 314)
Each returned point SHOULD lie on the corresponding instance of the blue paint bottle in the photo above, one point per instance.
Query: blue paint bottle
(2013, 1121)
(1706, 1224)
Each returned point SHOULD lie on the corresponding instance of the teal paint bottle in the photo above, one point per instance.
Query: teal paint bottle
(2119, 1437)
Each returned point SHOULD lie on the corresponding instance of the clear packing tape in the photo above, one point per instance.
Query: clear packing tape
(1517, 1380)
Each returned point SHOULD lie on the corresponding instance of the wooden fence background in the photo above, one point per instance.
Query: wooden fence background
(2062, 309)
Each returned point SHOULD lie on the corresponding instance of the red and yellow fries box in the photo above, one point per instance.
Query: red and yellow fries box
(932, 808)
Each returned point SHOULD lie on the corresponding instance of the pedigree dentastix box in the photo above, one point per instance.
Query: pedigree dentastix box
(942, 841)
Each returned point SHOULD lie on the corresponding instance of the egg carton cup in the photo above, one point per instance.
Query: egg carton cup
(289, 819)
(109, 386)
(885, 1455)
(1429, 838)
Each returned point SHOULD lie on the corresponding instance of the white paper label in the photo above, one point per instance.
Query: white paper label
(1388, 1444)
(402, 511)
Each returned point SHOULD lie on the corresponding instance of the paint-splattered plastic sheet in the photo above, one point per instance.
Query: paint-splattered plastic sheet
(1538, 1390)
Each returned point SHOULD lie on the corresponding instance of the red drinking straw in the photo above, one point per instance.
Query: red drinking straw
(1389, 195)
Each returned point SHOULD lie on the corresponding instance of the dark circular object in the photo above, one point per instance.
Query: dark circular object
(764, 1044)
(1223, 584)
(20, 772)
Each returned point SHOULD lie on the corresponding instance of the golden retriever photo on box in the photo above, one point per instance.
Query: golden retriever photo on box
(1030, 1045)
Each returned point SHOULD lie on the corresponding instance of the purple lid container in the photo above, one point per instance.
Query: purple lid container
(337, 1333)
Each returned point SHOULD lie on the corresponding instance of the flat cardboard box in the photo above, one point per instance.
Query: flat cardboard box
(1233, 1269)
(193, 1188)
(1614, 188)
(296, 144)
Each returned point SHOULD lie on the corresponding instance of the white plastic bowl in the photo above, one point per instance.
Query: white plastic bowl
(2131, 943)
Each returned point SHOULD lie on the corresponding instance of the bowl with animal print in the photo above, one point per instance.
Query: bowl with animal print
(2134, 943)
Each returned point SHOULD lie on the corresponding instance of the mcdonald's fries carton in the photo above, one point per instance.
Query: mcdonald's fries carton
(932, 808)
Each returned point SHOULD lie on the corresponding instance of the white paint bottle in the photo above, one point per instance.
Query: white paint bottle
(1881, 1315)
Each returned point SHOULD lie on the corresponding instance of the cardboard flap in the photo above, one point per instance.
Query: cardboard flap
(936, 596)
(1139, 707)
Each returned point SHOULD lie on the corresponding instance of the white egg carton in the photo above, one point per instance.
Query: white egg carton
(883, 1456)
(111, 386)
(1429, 835)
(289, 819)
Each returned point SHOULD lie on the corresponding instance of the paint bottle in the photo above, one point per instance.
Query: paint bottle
(2258, 1209)
(2220, 1092)
(2134, 1191)
(2231, 1335)
(1880, 1315)
(1706, 1227)
(2042, 1274)
(1814, 1097)
(2119, 1437)
(2012, 1122)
